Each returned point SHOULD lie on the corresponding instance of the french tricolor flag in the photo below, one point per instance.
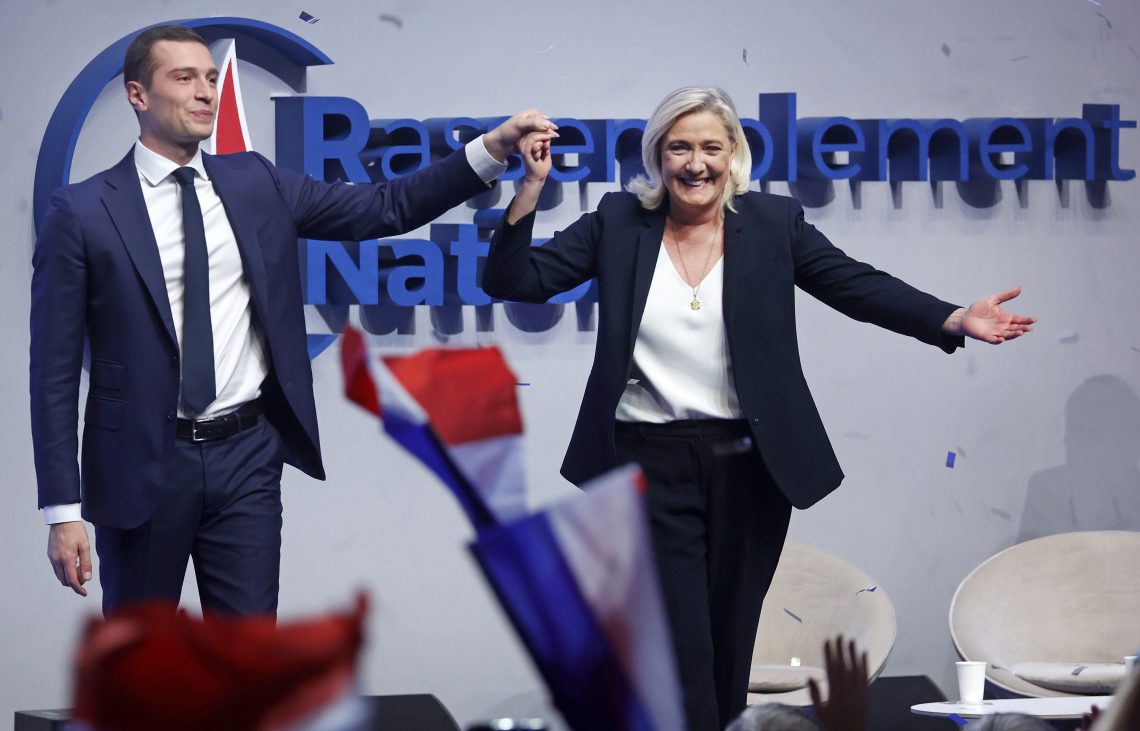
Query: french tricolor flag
(454, 409)
(577, 580)
(579, 583)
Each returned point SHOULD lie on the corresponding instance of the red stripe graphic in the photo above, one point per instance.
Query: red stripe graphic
(229, 134)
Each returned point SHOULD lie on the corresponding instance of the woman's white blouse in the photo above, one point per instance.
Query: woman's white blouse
(681, 365)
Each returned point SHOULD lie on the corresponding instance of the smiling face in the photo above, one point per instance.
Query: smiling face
(176, 108)
(696, 154)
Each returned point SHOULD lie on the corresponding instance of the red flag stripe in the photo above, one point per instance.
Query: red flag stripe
(469, 395)
(358, 384)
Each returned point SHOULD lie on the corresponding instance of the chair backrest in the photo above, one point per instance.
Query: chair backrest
(816, 595)
(1070, 597)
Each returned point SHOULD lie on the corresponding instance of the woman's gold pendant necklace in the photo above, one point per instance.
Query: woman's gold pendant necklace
(695, 303)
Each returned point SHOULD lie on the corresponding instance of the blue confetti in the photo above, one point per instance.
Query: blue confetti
(957, 719)
(793, 616)
(950, 457)
(869, 591)
(1094, 2)
(310, 19)
(744, 56)
(1077, 670)
(522, 384)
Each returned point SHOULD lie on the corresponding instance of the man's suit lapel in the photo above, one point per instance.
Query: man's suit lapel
(245, 231)
(123, 198)
(648, 248)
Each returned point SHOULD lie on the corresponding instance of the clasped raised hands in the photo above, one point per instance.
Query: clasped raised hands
(508, 136)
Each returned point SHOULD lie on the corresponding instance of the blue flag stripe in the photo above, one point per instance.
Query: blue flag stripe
(421, 441)
(525, 566)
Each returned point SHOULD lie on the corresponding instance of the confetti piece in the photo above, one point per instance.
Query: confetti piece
(870, 590)
(744, 56)
(1135, 348)
(1106, 20)
(393, 19)
(795, 662)
(945, 50)
(1077, 670)
(957, 719)
(961, 452)
(950, 457)
(855, 435)
(522, 384)
(548, 49)
(310, 19)
(793, 616)
(1019, 58)
(1067, 336)
(1001, 514)
(1094, 2)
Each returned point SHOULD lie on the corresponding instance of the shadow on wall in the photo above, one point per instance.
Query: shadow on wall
(1098, 487)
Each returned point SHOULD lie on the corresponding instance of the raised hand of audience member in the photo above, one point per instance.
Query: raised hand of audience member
(848, 699)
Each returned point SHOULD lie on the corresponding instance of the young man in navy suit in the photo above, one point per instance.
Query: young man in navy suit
(180, 270)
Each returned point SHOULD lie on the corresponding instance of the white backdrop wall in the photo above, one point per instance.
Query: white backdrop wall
(1055, 412)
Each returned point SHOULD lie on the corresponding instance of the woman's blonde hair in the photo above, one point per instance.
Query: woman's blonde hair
(650, 188)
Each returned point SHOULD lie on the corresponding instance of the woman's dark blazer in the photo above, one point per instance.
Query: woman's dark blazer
(768, 250)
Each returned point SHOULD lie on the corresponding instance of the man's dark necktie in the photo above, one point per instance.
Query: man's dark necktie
(198, 388)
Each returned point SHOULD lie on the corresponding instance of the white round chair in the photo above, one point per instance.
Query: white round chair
(815, 595)
(1054, 616)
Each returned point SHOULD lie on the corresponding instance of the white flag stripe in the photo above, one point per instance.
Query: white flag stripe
(495, 467)
(394, 398)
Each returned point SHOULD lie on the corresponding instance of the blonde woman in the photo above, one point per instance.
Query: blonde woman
(696, 373)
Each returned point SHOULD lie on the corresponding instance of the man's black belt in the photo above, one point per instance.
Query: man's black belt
(220, 427)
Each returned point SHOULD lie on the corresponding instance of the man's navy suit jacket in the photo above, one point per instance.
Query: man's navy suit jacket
(97, 274)
(768, 251)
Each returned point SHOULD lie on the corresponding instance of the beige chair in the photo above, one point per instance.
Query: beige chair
(1063, 610)
(815, 595)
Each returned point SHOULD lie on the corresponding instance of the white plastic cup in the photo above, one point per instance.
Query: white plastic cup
(1129, 663)
(971, 681)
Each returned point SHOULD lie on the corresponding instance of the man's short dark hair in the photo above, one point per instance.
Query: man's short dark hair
(139, 63)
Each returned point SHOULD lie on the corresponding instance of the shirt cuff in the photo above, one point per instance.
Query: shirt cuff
(62, 513)
(481, 161)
